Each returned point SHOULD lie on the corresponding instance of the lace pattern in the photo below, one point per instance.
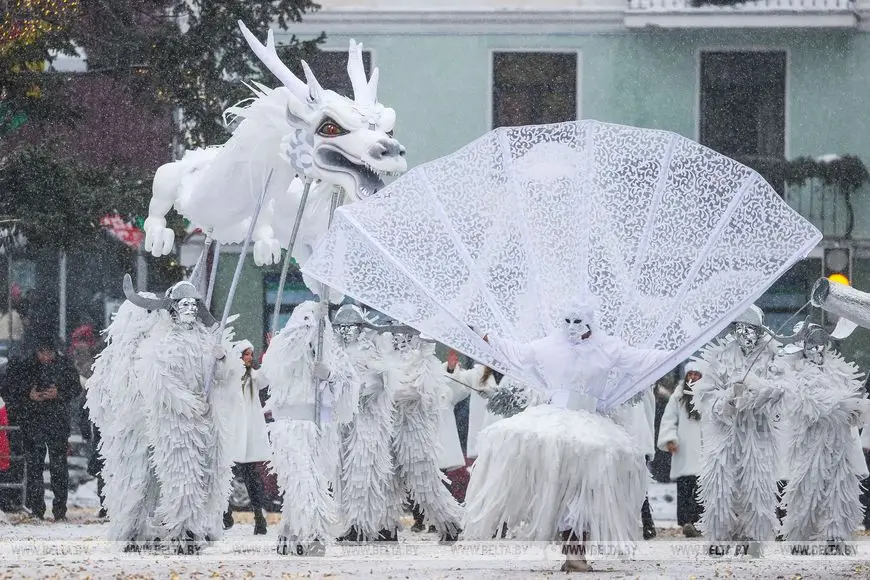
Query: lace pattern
(674, 239)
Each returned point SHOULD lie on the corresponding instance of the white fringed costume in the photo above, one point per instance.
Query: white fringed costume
(414, 375)
(168, 447)
(828, 403)
(305, 458)
(561, 466)
(737, 484)
(371, 499)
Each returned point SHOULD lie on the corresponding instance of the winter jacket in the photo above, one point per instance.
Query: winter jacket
(252, 441)
(638, 420)
(45, 419)
(450, 453)
(685, 432)
(479, 416)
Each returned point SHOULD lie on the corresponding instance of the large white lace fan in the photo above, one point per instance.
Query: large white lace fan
(674, 240)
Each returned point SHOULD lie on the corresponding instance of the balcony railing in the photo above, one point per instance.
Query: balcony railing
(717, 6)
(821, 190)
(747, 14)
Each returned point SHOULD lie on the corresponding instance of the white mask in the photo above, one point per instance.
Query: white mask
(576, 329)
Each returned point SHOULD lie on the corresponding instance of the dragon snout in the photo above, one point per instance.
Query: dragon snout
(387, 148)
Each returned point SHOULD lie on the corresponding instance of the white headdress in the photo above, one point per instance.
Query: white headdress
(241, 346)
(753, 316)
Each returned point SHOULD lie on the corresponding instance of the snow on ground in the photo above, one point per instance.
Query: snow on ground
(77, 549)
(663, 503)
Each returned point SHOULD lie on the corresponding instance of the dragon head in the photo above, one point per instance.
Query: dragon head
(344, 142)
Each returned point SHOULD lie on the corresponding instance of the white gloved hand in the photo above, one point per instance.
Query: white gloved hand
(219, 352)
(321, 371)
(487, 392)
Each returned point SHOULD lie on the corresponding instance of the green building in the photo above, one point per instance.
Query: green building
(763, 82)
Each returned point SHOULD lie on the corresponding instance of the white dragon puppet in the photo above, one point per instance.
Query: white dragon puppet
(301, 133)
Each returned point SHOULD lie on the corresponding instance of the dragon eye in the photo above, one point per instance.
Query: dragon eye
(330, 128)
(389, 133)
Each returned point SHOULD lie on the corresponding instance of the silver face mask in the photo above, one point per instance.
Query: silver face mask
(184, 312)
(815, 346)
(349, 334)
(576, 329)
(402, 342)
(747, 336)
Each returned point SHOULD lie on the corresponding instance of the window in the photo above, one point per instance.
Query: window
(789, 294)
(295, 293)
(330, 68)
(743, 107)
(533, 88)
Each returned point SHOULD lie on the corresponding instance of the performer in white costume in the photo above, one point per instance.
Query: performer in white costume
(420, 393)
(738, 399)
(168, 447)
(252, 439)
(533, 232)
(600, 497)
(828, 404)
(305, 456)
(371, 502)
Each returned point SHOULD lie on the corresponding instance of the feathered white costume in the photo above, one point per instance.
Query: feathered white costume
(568, 467)
(168, 447)
(371, 501)
(738, 399)
(305, 457)
(414, 375)
(828, 403)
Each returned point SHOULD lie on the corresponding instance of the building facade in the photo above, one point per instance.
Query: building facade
(762, 82)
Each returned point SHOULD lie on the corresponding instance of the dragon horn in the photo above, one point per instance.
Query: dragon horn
(315, 91)
(373, 85)
(356, 71)
(269, 57)
(141, 301)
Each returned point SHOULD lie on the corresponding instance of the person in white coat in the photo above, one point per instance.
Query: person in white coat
(450, 456)
(680, 435)
(253, 442)
(479, 383)
(637, 417)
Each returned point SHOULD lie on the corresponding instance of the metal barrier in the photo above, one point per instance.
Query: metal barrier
(23, 485)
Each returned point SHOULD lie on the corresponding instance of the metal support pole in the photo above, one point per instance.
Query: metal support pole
(213, 275)
(337, 197)
(289, 255)
(236, 276)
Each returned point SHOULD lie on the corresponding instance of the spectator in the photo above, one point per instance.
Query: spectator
(680, 435)
(252, 439)
(43, 386)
